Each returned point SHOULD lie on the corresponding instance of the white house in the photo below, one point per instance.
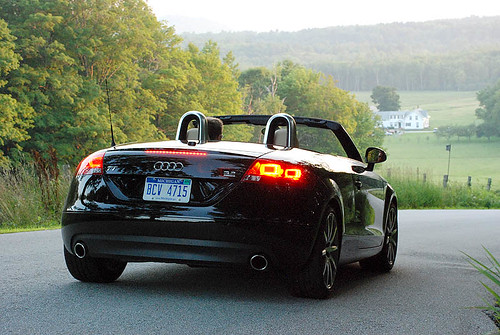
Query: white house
(408, 120)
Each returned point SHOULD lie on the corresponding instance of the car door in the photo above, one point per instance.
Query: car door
(369, 195)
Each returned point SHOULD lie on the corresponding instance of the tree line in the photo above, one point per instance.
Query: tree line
(60, 60)
(459, 54)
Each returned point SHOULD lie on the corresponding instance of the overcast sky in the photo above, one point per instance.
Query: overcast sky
(291, 15)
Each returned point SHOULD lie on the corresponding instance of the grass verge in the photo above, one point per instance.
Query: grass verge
(415, 194)
(31, 198)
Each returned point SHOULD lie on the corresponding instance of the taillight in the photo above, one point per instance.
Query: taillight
(92, 164)
(272, 170)
(175, 152)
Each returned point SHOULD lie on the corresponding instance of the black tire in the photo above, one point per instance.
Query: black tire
(384, 261)
(316, 279)
(95, 270)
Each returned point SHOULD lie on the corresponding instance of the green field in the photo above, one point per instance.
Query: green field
(416, 153)
(445, 108)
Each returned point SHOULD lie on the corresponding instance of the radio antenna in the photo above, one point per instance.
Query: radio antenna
(110, 121)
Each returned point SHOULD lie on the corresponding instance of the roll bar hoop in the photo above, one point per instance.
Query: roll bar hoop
(281, 119)
(201, 121)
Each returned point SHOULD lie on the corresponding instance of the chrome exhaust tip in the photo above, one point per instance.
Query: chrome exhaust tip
(259, 262)
(80, 250)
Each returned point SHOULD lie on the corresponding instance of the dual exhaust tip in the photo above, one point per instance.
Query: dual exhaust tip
(80, 250)
(257, 262)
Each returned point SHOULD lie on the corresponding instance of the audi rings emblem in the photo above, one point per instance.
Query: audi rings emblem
(168, 166)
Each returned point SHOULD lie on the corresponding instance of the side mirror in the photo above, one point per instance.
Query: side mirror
(374, 156)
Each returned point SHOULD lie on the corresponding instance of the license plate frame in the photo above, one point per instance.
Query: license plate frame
(163, 189)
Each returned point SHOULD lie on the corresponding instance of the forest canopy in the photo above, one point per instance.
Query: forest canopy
(457, 54)
(60, 58)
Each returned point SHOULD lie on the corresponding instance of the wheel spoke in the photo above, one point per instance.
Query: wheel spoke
(390, 254)
(329, 252)
(329, 272)
(326, 273)
(391, 223)
(330, 229)
(392, 235)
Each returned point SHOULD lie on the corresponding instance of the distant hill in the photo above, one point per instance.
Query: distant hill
(185, 24)
(458, 54)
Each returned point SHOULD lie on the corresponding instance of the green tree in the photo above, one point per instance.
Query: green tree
(309, 93)
(489, 111)
(300, 91)
(216, 90)
(118, 43)
(254, 85)
(69, 50)
(259, 87)
(15, 117)
(385, 98)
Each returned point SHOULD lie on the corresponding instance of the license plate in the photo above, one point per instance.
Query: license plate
(167, 189)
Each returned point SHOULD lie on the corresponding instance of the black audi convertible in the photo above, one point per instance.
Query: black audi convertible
(288, 193)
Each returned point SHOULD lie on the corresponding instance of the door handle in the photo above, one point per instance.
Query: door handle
(358, 184)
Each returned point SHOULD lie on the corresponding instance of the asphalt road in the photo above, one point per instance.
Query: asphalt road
(428, 292)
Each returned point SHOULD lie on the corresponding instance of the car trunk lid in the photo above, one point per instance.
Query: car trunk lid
(177, 173)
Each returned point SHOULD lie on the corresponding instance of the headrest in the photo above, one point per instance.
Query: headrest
(192, 134)
(280, 137)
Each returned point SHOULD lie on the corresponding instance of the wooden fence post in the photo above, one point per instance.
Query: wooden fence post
(445, 180)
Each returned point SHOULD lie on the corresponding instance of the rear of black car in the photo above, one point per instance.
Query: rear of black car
(223, 203)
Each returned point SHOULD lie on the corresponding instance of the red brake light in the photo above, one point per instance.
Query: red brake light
(175, 152)
(276, 170)
(294, 174)
(92, 164)
(270, 170)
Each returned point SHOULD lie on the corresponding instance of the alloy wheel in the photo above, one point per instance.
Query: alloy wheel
(391, 235)
(330, 252)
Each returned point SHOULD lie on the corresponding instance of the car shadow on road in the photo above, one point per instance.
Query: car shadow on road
(172, 280)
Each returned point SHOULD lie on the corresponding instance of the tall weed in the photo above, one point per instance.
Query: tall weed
(29, 200)
(490, 271)
(415, 193)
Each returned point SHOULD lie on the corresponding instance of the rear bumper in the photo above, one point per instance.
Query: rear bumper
(188, 240)
(133, 248)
